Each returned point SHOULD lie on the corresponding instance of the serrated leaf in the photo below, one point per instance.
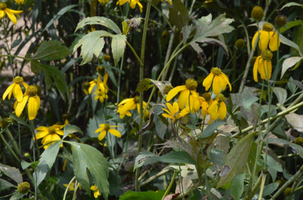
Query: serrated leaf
(281, 94)
(103, 21)
(70, 129)
(149, 195)
(11, 172)
(288, 63)
(118, 47)
(46, 162)
(87, 158)
(91, 44)
(178, 14)
(59, 79)
(210, 129)
(236, 161)
(206, 28)
(51, 50)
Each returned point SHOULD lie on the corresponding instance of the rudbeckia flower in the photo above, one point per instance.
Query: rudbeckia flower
(267, 37)
(95, 190)
(15, 89)
(72, 186)
(19, 1)
(130, 104)
(186, 91)
(100, 84)
(102, 89)
(85, 87)
(218, 108)
(104, 128)
(9, 12)
(172, 112)
(104, 2)
(205, 101)
(49, 135)
(263, 65)
(33, 105)
(218, 79)
(132, 3)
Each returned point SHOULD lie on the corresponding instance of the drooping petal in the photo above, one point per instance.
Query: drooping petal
(227, 81)
(261, 68)
(213, 110)
(274, 41)
(125, 101)
(99, 130)
(60, 132)
(183, 98)
(217, 85)
(168, 116)
(21, 106)
(17, 92)
(10, 13)
(255, 69)
(207, 81)
(254, 40)
(2, 14)
(173, 92)
(127, 106)
(115, 132)
(9, 91)
(175, 107)
(38, 101)
(222, 110)
(102, 135)
(264, 40)
(32, 108)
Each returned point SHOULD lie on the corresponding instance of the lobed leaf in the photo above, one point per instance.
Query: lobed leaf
(118, 47)
(103, 21)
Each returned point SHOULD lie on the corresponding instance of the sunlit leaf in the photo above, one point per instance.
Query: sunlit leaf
(103, 21)
(12, 173)
(295, 120)
(288, 63)
(118, 47)
(291, 4)
(70, 129)
(51, 50)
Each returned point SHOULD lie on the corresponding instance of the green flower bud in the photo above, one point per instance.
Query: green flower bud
(106, 57)
(257, 13)
(191, 84)
(281, 20)
(299, 141)
(287, 191)
(101, 70)
(23, 187)
(240, 43)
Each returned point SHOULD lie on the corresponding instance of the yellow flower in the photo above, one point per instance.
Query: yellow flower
(33, 105)
(218, 79)
(95, 190)
(266, 37)
(168, 1)
(19, 1)
(72, 186)
(263, 65)
(218, 108)
(172, 112)
(100, 84)
(130, 104)
(104, 128)
(132, 3)
(85, 87)
(9, 12)
(104, 1)
(49, 135)
(205, 101)
(15, 89)
(102, 89)
(186, 91)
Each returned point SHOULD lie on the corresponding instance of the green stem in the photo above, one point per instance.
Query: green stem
(170, 185)
(255, 189)
(141, 93)
(154, 177)
(135, 53)
(262, 185)
(171, 41)
(9, 148)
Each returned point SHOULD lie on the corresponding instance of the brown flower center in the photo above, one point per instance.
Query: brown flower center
(207, 96)
(17, 79)
(221, 97)
(2, 6)
(32, 90)
(268, 27)
(191, 84)
(216, 71)
(106, 127)
(51, 130)
(137, 99)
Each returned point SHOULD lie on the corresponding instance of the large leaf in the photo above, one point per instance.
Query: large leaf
(206, 29)
(11, 172)
(235, 161)
(237, 186)
(281, 94)
(70, 129)
(92, 44)
(178, 14)
(295, 120)
(118, 47)
(103, 21)
(47, 160)
(87, 158)
(297, 148)
(59, 79)
(288, 63)
(5, 185)
(51, 50)
(290, 43)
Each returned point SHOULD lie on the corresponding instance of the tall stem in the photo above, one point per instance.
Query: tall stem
(141, 93)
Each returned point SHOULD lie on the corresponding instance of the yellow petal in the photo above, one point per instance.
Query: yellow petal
(222, 110)
(41, 134)
(9, 91)
(274, 41)
(227, 81)
(115, 132)
(263, 41)
(255, 39)
(183, 98)
(11, 16)
(217, 85)
(21, 106)
(102, 135)
(213, 110)
(255, 69)
(207, 81)
(173, 92)
(2, 14)
(60, 132)
(128, 106)
(32, 108)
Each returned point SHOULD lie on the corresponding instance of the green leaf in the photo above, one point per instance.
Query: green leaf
(87, 158)
(46, 162)
(20, 120)
(103, 21)
(59, 79)
(92, 44)
(25, 164)
(288, 63)
(51, 50)
(297, 36)
(206, 29)
(295, 147)
(295, 120)
(210, 129)
(178, 14)
(5, 185)
(281, 94)
(290, 25)
(11, 172)
(290, 43)
(70, 129)
(270, 188)
(237, 186)
(235, 161)
(149, 195)
(247, 102)
(118, 47)
(291, 4)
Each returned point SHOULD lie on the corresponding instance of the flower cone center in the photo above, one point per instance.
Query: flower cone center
(191, 84)
(216, 71)
(221, 97)
(137, 99)
(85, 85)
(267, 55)
(51, 130)
(2, 6)
(32, 91)
(106, 127)
(207, 96)
(267, 27)
(17, 79)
